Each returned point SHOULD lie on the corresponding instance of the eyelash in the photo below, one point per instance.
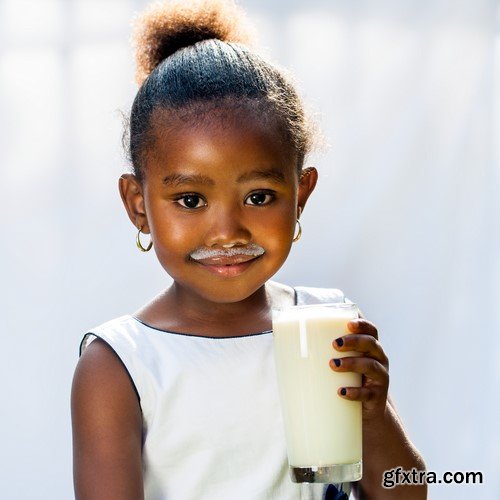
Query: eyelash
(187, 195)
(270, 194)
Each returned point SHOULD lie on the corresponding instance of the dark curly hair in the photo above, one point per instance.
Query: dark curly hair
(193, 57)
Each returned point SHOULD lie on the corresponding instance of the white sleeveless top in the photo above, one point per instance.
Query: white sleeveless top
(212, 420)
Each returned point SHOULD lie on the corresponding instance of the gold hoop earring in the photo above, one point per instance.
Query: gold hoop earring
(139, 244)
(299, 232)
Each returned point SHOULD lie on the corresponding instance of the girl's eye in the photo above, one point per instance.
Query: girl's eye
(191, 201)
(260, 198)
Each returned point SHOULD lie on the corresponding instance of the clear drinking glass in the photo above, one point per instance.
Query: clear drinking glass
(323, 431)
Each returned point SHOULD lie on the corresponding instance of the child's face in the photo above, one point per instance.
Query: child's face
(210, 188)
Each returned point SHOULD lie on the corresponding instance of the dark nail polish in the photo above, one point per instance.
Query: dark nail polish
(339, 341)
(343, 391)
(337, 362)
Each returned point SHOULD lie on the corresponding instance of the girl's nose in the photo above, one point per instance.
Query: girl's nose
(227, 229)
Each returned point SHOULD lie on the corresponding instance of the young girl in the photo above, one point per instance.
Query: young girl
(179, 400)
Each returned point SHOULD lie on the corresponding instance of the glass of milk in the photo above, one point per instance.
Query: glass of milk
(323, 431)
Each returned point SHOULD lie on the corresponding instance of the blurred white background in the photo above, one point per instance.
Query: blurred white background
(404, 220)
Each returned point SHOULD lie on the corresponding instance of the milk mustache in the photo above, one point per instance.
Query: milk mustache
(321, 428)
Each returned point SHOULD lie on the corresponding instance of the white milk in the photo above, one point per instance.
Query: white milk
(322, 429)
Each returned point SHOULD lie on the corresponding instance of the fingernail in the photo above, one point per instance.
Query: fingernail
(339, 341)
(343, 391)
(337, 362)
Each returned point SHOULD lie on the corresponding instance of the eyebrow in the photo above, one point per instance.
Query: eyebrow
(273, 174)
(175, 180)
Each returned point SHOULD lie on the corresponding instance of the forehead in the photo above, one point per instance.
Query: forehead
(211, 140)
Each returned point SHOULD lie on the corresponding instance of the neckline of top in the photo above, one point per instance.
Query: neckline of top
(198, 336)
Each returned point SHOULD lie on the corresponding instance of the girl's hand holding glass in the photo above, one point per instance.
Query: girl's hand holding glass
(372, 364)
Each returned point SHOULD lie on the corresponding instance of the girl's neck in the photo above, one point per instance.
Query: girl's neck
(197, 309)
(180, 311)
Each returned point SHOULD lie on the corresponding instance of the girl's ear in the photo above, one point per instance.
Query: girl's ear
(133, 200)
(307, 182)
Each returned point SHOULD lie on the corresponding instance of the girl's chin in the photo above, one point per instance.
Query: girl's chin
(221, 291)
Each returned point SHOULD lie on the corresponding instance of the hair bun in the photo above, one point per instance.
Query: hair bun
(166, 27)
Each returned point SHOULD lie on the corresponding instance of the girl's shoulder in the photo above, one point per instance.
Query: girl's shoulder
(315, 295)
(304, 295)
(120, 327)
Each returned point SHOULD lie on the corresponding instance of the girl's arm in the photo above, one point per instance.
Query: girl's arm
(386, 447)
(107, 428)
(385, 444)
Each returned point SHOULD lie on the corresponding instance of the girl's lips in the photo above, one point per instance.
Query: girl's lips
(228, 266)
(226, 260)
